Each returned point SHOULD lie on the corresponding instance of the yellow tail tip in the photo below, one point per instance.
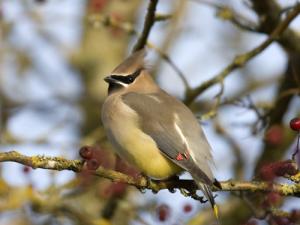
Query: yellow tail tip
(216, 211)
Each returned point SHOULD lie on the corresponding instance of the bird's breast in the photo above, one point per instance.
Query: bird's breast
(131, 143)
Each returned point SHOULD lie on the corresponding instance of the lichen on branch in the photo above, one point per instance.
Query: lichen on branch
(141, 182)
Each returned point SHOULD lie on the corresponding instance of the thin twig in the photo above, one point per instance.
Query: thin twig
(109, 21)
(242, 59)
(162, 17)
(228, 13)
(149, 21)
(172, 64)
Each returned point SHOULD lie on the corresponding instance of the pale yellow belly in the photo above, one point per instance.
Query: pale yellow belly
(121, 124)
(140, 150)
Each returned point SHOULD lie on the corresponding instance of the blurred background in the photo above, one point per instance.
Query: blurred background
(54, 55)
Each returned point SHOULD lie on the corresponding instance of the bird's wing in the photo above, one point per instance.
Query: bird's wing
(159, 117)
(174, 129)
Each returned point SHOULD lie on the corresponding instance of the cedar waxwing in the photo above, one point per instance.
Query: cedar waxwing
(153, 130)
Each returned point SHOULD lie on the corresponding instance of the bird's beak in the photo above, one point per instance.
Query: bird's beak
(109, 79)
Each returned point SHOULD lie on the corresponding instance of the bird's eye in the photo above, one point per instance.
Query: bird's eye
(127, 79)
(130, 79)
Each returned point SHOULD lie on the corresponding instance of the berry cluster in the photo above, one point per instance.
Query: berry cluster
(88, 154)
(163, 211)
(270, 171)
(95, 157)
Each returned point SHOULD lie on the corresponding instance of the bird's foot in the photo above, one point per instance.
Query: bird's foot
(174, 178)
(192, 194)
(147, 179)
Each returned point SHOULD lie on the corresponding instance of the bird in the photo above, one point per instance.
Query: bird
(154, 131)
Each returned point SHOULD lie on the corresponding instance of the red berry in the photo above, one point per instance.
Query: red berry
(286, 167)
(26, 169)
(270, 171)
(295, 124)
(92, 164)
(163, 212)
(86, 152)
(187, 208)
(267, 173)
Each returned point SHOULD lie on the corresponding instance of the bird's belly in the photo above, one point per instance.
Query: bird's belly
(131, 143)
(140, 149)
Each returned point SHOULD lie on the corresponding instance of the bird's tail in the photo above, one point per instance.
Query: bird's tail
(205, 184)
(206, 189)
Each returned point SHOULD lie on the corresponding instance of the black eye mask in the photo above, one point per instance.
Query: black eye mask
(127, 79)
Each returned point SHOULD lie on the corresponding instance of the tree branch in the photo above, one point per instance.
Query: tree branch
(128, 27)
(58, 163)
(149, 21)
(242, 59)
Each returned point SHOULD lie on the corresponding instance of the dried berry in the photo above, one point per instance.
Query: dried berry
(295, 124)
(286, 167)
(26, 169)
(104, 157)
(187, 208)
(163, 212)
(270, 171)
(267, 173)
(92, 164)
(86, 152)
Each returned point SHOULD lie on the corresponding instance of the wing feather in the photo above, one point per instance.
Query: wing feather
(168, 122)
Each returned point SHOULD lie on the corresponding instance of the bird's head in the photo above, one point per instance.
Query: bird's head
(131, 75)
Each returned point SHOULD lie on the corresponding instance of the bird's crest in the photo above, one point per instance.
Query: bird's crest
(134, 62)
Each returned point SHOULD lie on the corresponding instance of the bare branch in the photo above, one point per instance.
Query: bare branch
(149, 21)
(242, 59)
(58, 163)
(227, 13)
(109, 21)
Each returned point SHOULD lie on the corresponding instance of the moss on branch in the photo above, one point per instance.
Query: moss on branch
(59, 163)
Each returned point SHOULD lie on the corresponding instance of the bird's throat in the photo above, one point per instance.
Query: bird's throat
(114, 87)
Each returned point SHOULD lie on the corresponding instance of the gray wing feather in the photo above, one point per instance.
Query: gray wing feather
(157, 115)
(157, 122)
